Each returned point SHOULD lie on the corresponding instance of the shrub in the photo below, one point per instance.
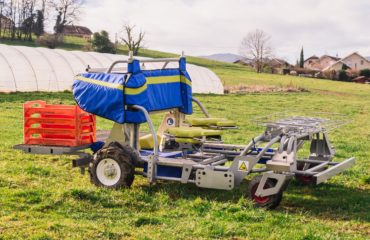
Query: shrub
(101, 43)
(267, 69)
(304, 71)
(49, 40)
(88, 47)
(330, 75)
(342, 76)
(365, 72)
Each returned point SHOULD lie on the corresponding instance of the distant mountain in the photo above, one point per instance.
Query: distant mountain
(368, 58)
(224, 57)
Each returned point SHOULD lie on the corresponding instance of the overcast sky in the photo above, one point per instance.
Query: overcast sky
(201, 27)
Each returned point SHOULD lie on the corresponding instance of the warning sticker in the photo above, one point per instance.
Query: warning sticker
(243, 166)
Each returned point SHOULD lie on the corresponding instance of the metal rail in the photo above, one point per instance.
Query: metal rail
(251, 144)
(204, 110)
(298, 123)
(151, 127)
(165, 60)
(330, 172)
(267, 147)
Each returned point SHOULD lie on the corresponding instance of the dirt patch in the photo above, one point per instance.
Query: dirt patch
(242, 88)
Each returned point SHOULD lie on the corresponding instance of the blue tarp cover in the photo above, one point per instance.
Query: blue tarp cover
(109, 95)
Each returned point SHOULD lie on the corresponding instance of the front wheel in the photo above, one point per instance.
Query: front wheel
(268, 202)
(113, 167)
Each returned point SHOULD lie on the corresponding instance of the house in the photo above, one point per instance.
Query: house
(311, 63)
(319, 63)
(244, 61)
(277, 63)
(270, 65)
(5, 22)
(354, 61)
(77, 31)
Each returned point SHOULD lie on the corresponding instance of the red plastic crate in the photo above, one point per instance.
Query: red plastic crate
(57, 125)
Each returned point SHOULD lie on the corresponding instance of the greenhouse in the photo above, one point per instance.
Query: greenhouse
(28, 69)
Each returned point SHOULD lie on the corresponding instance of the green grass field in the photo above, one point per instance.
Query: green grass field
(43, 197)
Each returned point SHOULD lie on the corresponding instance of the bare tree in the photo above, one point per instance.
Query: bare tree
(133, 42)
(68, 11)
(27, 21)
(43, 9)
(2, 3)
(13, 16)
(42, 4)
(256, 45)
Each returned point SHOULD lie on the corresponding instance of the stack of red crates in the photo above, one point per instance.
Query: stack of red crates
(57, 125)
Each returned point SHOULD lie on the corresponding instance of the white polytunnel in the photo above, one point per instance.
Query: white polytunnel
(28, 69)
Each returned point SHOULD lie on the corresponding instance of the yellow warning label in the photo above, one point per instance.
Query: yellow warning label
(243, 166)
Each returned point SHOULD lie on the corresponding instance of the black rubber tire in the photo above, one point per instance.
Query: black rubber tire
(269, 202)
(126, 158)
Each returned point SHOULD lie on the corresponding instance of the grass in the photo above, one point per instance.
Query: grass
(43, 197)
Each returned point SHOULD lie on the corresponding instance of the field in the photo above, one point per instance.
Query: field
(43, 197)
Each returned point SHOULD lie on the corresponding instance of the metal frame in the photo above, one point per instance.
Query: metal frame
(205, 165)
(166, 61)
(281, 163)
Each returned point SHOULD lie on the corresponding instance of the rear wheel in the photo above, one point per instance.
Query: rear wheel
(302, 179)
(113, 167)
(268, 202)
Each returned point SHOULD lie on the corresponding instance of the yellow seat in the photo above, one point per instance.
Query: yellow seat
(192, 132)
(147, 141)
(221, 122)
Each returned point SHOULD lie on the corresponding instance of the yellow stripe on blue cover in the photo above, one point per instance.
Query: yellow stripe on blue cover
(100, 83)
(157, 80)
(135, 91)
(168, 79)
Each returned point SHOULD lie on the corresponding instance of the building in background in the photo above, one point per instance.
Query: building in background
(5, 23)
(77, 31)
(354, 61)
(319, 63)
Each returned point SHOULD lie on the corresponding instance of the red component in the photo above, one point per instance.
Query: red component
(57, 125)
(259, 200)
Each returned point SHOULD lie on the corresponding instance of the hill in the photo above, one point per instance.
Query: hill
(223, 57)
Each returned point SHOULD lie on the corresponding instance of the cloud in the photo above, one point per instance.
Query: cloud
(211, 26)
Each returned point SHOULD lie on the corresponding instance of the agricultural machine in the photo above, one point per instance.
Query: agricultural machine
(188, 149)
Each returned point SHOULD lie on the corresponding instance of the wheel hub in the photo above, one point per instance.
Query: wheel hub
(108, 172)
(257, 199)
